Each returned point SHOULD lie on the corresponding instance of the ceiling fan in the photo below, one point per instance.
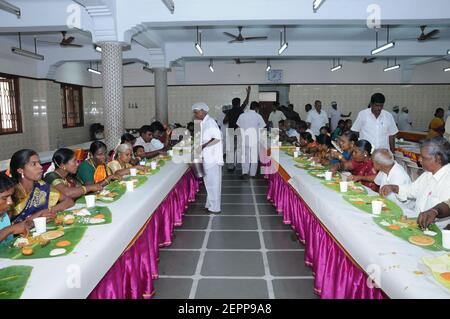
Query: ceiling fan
(425, 36)
(368, 60)
(65, 42)
(239, 61)
(240, 38)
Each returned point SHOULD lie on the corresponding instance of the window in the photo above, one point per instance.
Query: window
(10, 120)
(71, 106)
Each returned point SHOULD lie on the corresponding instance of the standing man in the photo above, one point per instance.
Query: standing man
(376, 125)
(335, 115)
(394, 113)
(317, 118)
(404, 121)
(276, 115)
(230, 119)
(250, 122)
(212, 158)
(294, 115)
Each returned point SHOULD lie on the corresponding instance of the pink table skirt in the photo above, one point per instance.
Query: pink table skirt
(335, 274)
(132, 275)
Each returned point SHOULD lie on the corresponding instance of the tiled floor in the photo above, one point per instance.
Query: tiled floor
(245, 252)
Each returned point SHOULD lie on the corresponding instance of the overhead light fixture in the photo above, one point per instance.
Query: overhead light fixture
(283, 43)
(170, 5)
(26, 53)
(147, 68)
(268, 66)
(211, 67)
(448, 52)
(447, 69)
(6, 6)
(384, 47)
(335, 66)
(98, 48)
(317, 4)
(95, 71)
(392, 67)
(198, 44)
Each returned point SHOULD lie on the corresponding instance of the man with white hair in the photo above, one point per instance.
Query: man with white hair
(211, 155)
(389, 172)
(404, 121)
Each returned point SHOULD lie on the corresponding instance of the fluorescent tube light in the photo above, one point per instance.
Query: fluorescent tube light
(6, 6)
(383, 48)
(447, 69)
(28, 54)
(283, 48)
(170, 5)
(211, 65)
(393, 67)
(317, 4)
(98, 48)
(337, 67)
(94, 71)
(199, 48)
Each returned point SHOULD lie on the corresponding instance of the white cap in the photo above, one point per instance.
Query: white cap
(404, 109)
(396, 108)
(200, 106)
(333, 103)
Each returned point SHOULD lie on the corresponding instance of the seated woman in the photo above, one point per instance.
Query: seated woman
(7, 231)
(307, 144)
(338, 131)
(121, 164)
(94, 169)
(361, 165)
(126, 138)
(32, 196)
(325, 130)
(346, 142)
(64, 178)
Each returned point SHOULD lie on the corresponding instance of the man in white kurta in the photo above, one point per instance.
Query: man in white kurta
(404, 121)
(251, 123)
(317, 118)
(211, 155)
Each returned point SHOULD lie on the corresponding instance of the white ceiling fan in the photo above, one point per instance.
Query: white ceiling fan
(240, 38)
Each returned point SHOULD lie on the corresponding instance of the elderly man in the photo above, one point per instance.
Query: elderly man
(433, 186)
(251, 123)
(212, 158)
(390, 172)
(404, 121)
(376, 125)
(317, 118)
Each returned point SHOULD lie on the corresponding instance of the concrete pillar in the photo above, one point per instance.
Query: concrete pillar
(161, 95)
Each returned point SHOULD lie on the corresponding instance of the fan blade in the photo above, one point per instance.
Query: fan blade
(71, 45)
(49, 42)
(128, 63)
(242, 62)
(432, 33)
(255, 38)
(234, 41)
(230, 35)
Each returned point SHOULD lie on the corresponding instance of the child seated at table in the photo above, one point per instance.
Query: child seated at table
(139, 152)
(307, 144)
(7, 231)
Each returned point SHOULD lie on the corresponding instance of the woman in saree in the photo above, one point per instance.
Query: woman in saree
(121, 164)
(94, 170)
(346, 142)
(32, 196)
(64, 178)
(437, 124)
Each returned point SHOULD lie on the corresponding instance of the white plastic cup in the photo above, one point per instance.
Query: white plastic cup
(328, 175)
(153, 165)
(343, 186)
(130, 186)
(280, 144)
(295, 154)
(377, 206)
(446, 238)
(142, 163)
(40, 224)
(90, 200)
(297, 149)
(133, 171)
(170, 153)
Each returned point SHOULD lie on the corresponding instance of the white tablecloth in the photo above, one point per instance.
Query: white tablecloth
(366, 242)
(101, 245)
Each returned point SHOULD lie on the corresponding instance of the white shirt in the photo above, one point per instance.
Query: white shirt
(212, 154)
(292, 133)
(447, 115)
(153, 145)
(317, 120)
(404, 122)
(428, 190)
(276, 117)
(335, 116)
(251, 119)
(396, 176)
(375, 130)
(447, 129)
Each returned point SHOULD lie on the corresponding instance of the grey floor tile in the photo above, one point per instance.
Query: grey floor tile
(237, 199)
(234, 222)
(259, 182)
(233, 240)
(233, 263)
(232, 289)
(172, 288)
(294, 289)
(261, 199)
(267, 209)
(243, 209)
(195, 222)
(236, 183)
(187, 239)
(178, 263)
(287, 263)
(231, 177)
(273, 222)
(237, 191)
(280, 240)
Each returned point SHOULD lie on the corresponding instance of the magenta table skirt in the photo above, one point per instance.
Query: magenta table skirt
(133, 273)
(335, 274)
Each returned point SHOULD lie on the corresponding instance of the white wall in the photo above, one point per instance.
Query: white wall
(74, 73)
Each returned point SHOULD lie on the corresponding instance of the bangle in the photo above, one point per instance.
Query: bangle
(84, 189)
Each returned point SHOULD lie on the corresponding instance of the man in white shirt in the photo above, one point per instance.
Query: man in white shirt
(376, 125)
(276, 115)
(335, 115)
(317, 118)
(151, 144)
(404, 121)
(394, 113)
(447, 114)
(250, 124)
(390, 172)
(212, 156)
(433, 186)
